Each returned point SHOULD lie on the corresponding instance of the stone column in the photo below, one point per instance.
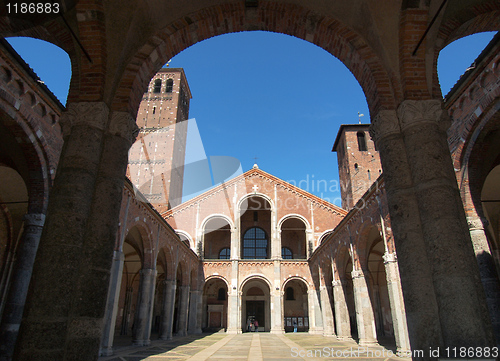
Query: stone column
(444, 299)
(396, 302)
(276, 304)
(315, 317)
(235, 244)
(233, 311)
(183, 310)
(71, 274)
(342, 321)
(143, 312)
(364, 310)
(21, 275)
(193, 312)
(326, 308)
(112, 304)
(168, 310)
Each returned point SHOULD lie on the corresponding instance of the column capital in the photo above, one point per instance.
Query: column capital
(34, 219)
(357, 273)
(385, 123)
(389, 257)
(93, 114)
(412, 112)
(123, 125)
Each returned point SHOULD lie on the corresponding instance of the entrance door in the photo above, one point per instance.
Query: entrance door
(255, 311)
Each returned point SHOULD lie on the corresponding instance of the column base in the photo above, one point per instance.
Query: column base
(277, 331)
(345, 338)
(141, 342)
(233, 331)
(315, 332)
(106, 351)
(165, 338)
(368, 343)
(329, 334)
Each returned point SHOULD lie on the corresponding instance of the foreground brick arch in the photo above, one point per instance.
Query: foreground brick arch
(330, 34)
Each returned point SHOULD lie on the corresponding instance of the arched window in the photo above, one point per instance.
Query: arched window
(289, 294)
(286, 253)
(225, 253)
(157, 88)
(255, 244)
(362, 142)
(170, 86)
(221, 296)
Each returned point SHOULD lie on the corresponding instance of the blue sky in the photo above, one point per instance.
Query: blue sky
(267, 96)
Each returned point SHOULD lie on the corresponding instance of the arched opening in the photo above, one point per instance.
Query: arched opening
(13, 206)
(296, 306)
(217, 239)
(255, 305)
(255, 226)
(159, 297)
(214, 305)
(348, 288)
(361, 141)
(378, 291)
(130, 284)
(293, 237)
(177, 299)
(490, 200)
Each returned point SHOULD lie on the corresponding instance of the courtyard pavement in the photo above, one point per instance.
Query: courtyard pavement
(252, 346)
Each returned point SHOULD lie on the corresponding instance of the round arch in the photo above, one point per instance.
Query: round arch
(255, 195)
(219, 277)
(214, 216)
(326, 32)
(185, 235)
(294, 216)
(254, 276)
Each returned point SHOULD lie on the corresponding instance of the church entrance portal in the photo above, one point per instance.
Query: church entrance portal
(256, 311)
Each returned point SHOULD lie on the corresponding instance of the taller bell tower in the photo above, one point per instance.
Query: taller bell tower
(156, 159)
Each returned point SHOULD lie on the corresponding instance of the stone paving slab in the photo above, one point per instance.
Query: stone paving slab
(254, 347)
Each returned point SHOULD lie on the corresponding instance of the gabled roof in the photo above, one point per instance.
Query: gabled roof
(259, 173)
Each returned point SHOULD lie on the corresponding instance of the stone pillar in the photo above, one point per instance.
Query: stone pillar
(364, 310)
(144, 309)
(342, 321)
(396, 302)
(315, 317)
(183, 310)
(487, 270)
(168, 310)
(444, 299)
(235, 244)
(233, 309)
(193, 312)
(21, 275)
(276, 304)
(326, 308)
(71, 274)
(112, 304)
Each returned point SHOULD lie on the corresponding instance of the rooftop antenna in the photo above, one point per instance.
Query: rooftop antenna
(359, 117)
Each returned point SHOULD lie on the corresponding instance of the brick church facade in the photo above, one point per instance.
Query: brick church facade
(412, 255)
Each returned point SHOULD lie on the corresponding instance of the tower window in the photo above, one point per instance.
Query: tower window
(362, 142)
(286, 253)
(154, 110)
(356, 166)
(369, 175)
(225, 253)
(255, 244)
(157, 88)
(170, 86)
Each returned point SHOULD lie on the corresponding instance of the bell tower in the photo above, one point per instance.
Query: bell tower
(156, 159)
(358, 161)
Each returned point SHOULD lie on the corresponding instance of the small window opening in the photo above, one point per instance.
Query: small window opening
(289, 294)
(157, 87)
(362, 142)
(170, 86)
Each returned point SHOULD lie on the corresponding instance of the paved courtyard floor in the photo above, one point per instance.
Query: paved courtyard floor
(252, 346)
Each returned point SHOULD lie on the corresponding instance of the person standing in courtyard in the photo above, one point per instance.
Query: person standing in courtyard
(256, 324)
